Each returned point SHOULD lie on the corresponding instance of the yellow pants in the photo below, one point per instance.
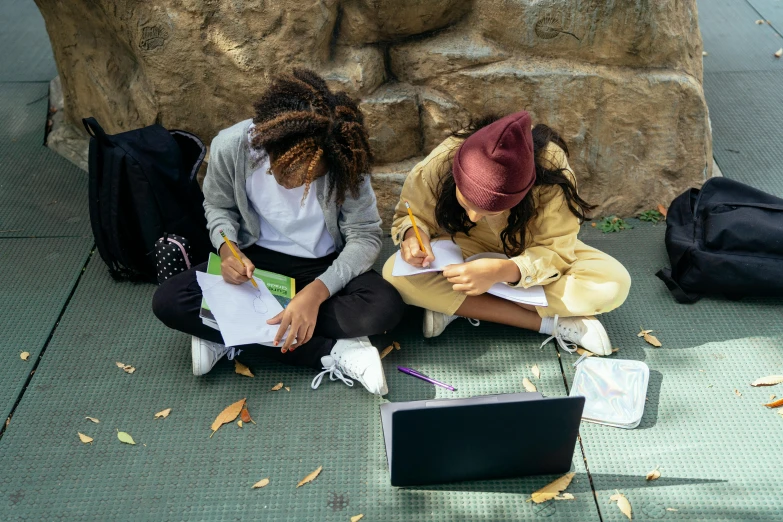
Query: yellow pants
(595, 284)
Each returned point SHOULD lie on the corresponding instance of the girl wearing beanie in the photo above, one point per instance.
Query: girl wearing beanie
(499, 187)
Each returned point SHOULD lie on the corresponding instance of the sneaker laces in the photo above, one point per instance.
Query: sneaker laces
(334, 374)
(474, 322)
(570, 347)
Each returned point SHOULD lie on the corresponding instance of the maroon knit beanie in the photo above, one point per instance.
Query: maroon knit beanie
(494, 168)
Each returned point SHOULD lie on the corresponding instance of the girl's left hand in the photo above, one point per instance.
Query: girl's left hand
(300, 315)
(476, 277)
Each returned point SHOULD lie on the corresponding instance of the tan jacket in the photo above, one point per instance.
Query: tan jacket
(551, 234)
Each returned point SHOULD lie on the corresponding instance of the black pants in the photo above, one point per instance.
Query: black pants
(368, 305)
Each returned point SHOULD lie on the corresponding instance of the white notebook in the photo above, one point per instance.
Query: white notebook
(449, 253)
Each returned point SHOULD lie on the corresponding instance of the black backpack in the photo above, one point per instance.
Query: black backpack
(725, 239)
(142, 186)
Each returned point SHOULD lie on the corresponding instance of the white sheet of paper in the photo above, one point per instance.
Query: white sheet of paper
(446, 253)
(241, 311)
(533, 296)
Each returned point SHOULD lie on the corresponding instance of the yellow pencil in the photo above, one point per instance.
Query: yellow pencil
(236, 254)
(415, 228)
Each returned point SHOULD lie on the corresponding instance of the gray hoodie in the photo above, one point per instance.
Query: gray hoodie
(355, 226)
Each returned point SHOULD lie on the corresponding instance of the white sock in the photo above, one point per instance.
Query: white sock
(547, 325)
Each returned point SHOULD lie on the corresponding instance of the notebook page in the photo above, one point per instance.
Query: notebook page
(446, 253)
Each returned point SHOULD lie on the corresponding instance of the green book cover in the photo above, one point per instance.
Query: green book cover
(282, 287)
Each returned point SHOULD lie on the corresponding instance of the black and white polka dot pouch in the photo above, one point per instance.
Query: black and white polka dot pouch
(172, 256)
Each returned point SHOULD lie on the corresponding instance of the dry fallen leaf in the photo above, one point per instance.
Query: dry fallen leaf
(779, 53)
(227, 415)
(357, 518)
(772, 397)
(615, 350)
(536, 371)
(777, 404)
(386, 351)
(163, 414)
(24, 356)
(770, 380)
(311, 477)
(737, 393)
(396, 347)
(622, 503)
(643, 332)
(662, 210)
(245, 415)
(125, 437)
(586, 353)
(654, 474)
(652, 340)
(261, 483)
(529, 386)
(84, 438)
(565, 496)
(92, 419)
(287, 389)
(127, 368)
(239, 423)
(241, 369)
(552, 489)
(277, 386)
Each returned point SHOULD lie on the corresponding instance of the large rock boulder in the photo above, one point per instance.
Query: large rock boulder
(621, 81)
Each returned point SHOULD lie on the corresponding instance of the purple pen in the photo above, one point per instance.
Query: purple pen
(423, 377)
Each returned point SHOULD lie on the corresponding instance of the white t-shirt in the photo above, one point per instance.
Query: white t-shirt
(288, 225)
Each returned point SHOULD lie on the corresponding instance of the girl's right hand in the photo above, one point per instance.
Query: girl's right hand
(232, 270)
(412, 252)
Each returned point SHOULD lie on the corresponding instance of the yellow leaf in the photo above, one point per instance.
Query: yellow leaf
(770, 380)
(125, 437)
(357, 518)
(552, 489)
(386, 351)
(241, 369)
(310, 477)
(277, 386)
(84, 438)
(92, 419)
(644, 332)
(652, 340)
(536, 371)
(24, 355)
(127, 368)
(287, 389)
(586, 353)
(239, 423)
(529, 386)
(737, 393)
(261, 483)
(163, 414)
(227, 415)
(777, 404)
(623, 504)
(654, 474)
(565, 496)
(779, 53)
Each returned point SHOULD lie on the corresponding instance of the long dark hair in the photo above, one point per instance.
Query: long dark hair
(299, 120)
(453, 218)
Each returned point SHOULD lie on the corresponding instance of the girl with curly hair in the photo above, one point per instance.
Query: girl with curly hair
(501, 186)
(291, 190)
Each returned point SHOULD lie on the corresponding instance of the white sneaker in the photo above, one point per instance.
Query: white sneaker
(436, 322)
(354, 359)
(587, 332)
(205, 354)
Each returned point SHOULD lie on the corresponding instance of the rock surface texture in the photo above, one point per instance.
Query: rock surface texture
(621, 81)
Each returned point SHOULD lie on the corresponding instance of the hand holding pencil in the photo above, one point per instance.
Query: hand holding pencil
(415, 247)
(235, 266)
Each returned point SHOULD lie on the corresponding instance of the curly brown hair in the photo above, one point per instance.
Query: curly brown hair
(299, 120)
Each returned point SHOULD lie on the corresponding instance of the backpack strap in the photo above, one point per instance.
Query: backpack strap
(679, 294)
(95, 130)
